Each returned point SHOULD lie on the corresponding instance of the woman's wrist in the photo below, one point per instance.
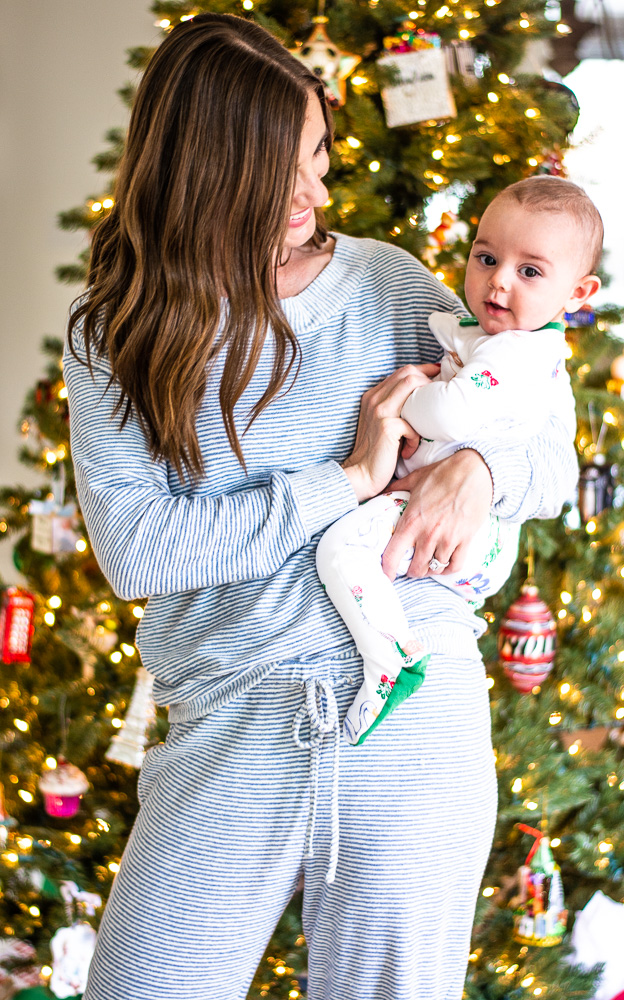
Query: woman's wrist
(360, 482)
(474, 461)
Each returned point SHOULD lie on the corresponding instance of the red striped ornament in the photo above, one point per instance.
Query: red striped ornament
(527, 639)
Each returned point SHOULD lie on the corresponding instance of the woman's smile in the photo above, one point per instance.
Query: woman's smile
(299, 219)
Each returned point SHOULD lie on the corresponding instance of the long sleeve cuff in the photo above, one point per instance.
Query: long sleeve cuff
(323, 493)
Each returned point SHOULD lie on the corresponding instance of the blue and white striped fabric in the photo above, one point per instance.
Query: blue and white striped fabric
(223, 831)
(229, 565)
(253, 784)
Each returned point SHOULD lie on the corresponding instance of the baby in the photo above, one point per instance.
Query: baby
(502, 375)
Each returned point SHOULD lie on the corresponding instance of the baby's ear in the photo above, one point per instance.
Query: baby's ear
(582, 291)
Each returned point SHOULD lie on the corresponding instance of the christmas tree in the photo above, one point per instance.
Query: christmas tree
(396, 154)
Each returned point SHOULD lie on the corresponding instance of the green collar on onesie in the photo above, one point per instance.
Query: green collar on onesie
(473, 321)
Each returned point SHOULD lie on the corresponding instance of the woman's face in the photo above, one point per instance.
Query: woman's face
(310, 192)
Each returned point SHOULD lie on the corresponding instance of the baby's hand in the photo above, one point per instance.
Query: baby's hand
(424, 374)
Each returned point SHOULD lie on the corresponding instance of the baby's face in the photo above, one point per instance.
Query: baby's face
(523, 267)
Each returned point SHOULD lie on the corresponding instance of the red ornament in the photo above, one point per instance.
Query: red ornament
(16, 625)
(526, 640)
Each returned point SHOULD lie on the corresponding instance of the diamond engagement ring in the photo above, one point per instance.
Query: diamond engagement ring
(436, 566)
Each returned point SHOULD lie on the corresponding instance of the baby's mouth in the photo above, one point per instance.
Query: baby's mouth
(495, 308)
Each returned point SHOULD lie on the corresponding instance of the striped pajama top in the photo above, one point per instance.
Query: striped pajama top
(228, 564)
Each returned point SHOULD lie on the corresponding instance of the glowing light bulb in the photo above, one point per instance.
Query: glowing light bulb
(532, 113)
(96, 206)
(75, 838)
(113, 866)
(488, 891)
(115, 656)
(527, 981)
(81, 545)
(63, 392)
(374, 166)
(555, 718)
(591, 527)
(524, 23)
(564, 689)
(573, 749)
(464, 33)
(50, 457)
(516, 785)
(353, 142)
(117, 723)
(619, 713)
(437, 154)
(608, 418)
(597, 593)
(247, 4)
(138, 611)
(564, 29)
(503, 78)
(357, 81)
(494, 98)
(562, 613)
(50, 762)
(26, 796)
(21, 724)
(565, 596)
(127, 649)
(555, 842)
(108, 203)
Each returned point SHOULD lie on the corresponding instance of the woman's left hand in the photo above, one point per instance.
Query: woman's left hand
(449, 501)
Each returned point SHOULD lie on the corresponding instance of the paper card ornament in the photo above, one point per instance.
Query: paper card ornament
(418, 88)
(323, 58)
(53, 527)
(526, 640)
(128, 745)
(539, 913)
(460, 60)
(17, 613)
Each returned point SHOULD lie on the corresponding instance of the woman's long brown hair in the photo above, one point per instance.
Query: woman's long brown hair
(203, 198)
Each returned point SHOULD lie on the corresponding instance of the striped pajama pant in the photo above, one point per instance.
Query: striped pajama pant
(235, 805)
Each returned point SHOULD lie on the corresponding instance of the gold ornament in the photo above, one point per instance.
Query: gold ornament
(323, 58)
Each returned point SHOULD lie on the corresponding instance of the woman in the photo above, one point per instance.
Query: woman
(230, 339)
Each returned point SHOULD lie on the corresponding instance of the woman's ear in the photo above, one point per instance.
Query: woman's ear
(582, 291)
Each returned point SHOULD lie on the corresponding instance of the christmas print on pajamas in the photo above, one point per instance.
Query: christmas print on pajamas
(505, 386)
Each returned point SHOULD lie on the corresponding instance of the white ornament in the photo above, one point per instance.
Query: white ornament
(597, 937)
(72, 950)
(420, 89)
(128, 745)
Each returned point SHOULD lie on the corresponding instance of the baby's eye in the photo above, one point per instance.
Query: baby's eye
(486, 259)
(527, 271)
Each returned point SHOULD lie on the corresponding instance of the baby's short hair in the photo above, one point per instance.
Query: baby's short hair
(554, 194)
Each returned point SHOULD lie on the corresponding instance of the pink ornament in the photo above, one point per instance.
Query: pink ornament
(526, 640)
(62, 788)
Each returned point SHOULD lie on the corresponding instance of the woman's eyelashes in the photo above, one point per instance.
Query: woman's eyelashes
(323, 146)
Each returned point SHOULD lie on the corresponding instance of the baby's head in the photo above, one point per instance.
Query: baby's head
(537, 247)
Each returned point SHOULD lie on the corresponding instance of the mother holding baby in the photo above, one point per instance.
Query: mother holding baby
(236, 375)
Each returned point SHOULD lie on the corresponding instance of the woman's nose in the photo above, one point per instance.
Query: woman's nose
(310, 190)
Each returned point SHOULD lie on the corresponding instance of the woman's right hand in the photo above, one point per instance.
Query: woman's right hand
(371, 464)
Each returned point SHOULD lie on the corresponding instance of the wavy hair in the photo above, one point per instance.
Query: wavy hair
(202, 201)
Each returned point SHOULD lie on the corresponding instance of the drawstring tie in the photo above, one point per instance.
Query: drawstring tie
(322, 712)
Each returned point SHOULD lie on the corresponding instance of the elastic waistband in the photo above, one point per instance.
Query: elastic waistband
(457, 642)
